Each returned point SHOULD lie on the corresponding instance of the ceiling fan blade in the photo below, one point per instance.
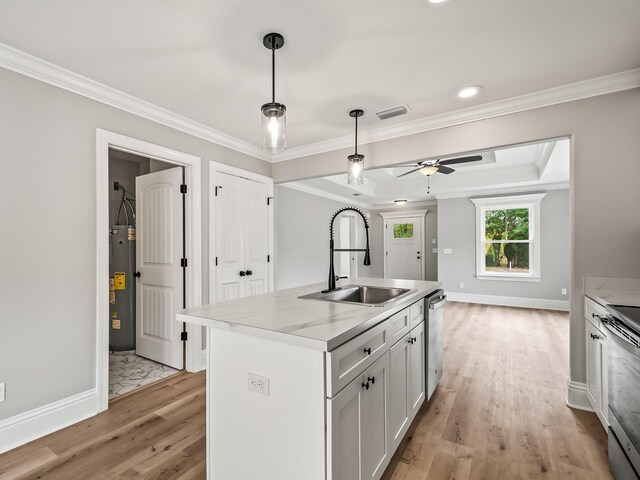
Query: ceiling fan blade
(414, 165)
(445, 170)
(451, 161)
(409, 172)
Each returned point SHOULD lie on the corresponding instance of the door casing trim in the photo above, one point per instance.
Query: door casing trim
(193, 174)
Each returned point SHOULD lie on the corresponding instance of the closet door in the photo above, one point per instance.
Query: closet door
(230, 238)
(256, 237)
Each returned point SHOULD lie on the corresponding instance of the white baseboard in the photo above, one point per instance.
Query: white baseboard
(41, 421)
(577, 396)
(509, 301)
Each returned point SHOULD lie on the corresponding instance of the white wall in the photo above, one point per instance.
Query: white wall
(302, 238)
(48, 244)
(603, 131)
(457, 231)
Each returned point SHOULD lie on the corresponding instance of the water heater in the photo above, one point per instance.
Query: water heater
(122, 288)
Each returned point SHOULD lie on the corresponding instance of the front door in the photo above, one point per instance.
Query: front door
(159, 249)
(404, 248)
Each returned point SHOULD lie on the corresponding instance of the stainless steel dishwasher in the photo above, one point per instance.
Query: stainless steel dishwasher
(435, 320)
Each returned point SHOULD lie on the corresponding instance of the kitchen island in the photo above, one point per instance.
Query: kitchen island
(311, 389)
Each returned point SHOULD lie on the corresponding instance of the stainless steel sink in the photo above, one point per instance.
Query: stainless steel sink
(361, 295)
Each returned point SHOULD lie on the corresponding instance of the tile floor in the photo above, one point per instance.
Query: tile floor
(128, 371)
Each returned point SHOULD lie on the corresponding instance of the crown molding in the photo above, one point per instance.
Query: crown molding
(321, 193)
(34, 67)
(505, 190)
(567, 93)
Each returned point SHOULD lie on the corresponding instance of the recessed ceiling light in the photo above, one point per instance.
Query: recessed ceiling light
(470, 91)
(400, 202)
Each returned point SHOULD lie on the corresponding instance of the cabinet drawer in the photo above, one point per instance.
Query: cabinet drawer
(349, 360)
(399, 325)
(593, 310)
(417, 313)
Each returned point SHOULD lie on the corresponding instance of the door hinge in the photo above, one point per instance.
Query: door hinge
(386, 225)
(269, 200)
(183, 336)
(268, 258)
(386, 253)
(183, 188)
(218, 187)
(216, 261)
(183, 262)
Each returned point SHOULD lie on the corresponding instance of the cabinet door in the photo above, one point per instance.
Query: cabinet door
(358, 445)
(343, 437)
(399, 405)
(594, 367)
(417, 372)
(374, 451)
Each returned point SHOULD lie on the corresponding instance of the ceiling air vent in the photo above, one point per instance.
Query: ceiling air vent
(393, 112)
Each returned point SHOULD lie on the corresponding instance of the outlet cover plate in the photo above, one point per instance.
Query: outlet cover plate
(258, 383)
(2, 397)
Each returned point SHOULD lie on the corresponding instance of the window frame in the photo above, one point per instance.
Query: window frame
(530, 201)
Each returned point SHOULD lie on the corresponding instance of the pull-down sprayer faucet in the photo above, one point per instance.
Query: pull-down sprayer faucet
(367, 256)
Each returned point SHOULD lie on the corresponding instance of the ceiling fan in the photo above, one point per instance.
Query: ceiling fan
(429, 167)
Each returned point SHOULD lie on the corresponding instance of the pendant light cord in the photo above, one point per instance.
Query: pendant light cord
(273, 74)
(356, 135)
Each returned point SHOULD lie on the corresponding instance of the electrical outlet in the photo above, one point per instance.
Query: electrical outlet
(433, 241)
(434, 250)
(258, 383)
(2, 392)
(564, 291)
(461, 284)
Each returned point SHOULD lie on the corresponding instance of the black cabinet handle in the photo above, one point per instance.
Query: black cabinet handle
(137, 274)
(367, 351)
(242, 273)
(366, 385)
(414, 339)
(371, 379)
(410, 341)
(249, 273)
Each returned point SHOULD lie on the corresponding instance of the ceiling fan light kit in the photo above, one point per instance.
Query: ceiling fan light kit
(274, 114)
(355, 162)
(428, 170)
(400, 202)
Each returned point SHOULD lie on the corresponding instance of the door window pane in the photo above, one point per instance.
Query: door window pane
(403, 230)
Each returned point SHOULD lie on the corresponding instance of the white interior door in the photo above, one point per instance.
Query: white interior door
(404, 250)
(242, 237)
(158, 253)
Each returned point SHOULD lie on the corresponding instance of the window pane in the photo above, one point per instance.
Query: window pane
(403, 230)
(512, 224)
(505, 257)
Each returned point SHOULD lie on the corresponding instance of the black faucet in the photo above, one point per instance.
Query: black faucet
(367, 256)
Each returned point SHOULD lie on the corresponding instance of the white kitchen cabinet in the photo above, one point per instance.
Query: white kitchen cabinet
(596, 353)
(359, 440)
(399, 404)
(417, 370)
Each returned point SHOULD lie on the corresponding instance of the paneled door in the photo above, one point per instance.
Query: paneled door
(241, 237)
(159, 249)
(404, 248)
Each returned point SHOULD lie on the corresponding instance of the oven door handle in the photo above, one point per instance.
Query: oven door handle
(621, 341)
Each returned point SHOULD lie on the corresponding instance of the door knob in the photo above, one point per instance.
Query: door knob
(242, 273)
(137, 274)
(418, 258)
(249, 272)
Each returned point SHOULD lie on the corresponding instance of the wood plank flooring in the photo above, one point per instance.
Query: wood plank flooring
(498, 413)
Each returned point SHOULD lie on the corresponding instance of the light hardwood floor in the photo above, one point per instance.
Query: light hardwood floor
(498, 413)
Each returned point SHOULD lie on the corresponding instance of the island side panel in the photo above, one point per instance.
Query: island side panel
(251, 435)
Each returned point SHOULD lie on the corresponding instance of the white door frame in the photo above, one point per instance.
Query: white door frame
(215, 169)
(193, 175)
(419, 214)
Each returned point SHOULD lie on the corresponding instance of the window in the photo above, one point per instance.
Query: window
(508, 237)
(403, 230)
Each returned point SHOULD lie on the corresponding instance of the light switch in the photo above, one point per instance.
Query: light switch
(447, 251)
(433, 241)
(434, 250)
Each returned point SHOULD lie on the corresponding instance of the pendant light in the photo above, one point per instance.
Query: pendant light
(273, 113)
(355, 165)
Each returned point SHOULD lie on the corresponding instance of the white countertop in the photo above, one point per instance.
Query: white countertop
(613, 291)
(317, 324)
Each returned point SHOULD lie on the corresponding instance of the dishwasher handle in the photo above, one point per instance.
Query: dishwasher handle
(438, 303)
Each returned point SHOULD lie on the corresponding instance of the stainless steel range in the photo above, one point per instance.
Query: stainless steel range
(623, 364)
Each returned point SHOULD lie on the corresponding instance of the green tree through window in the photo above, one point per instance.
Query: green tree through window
(403, 230)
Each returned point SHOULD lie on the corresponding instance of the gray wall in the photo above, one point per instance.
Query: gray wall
(47, 290)
(302, 238)
(457, 231)
(602, 129)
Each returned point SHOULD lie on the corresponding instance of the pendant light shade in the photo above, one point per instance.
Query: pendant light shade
(355, 164)
(274, 114)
